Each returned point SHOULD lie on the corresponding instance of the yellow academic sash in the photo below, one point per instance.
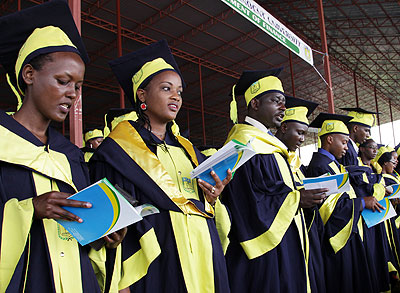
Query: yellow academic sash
(190, 227)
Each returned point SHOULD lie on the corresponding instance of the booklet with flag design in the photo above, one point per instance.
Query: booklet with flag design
(373, 218)
(395, 189)
(231, 156)
(337, 183)
(110, 212)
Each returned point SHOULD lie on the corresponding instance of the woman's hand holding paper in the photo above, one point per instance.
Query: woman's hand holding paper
(213, 192)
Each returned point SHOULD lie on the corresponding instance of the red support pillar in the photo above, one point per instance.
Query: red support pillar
(19, 5)
(291, 72)
(377, 115)
(391, 120)
(119, 47)
(75, 113)
(355, 88)
(327, 69)
(202, 105)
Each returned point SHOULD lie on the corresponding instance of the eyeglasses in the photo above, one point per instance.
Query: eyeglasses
(393, 161)
(372, 147)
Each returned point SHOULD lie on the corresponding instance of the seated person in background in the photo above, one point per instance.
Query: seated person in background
(93, 138)
(346, 263)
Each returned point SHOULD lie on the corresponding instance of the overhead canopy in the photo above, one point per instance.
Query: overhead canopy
(210, 36)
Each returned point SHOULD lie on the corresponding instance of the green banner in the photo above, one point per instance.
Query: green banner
(269, 24)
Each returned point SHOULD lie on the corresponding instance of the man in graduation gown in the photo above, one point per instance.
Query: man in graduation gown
(268, 240)
(359, 130)
(346, 262)
(292, 133)
(116, 115)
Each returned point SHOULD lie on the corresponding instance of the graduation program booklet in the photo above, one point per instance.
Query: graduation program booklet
(231, 156)
(395, 188)
(110, 212)
(373, 218)
(337, 183)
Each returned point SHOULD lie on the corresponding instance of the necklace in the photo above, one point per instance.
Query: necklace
(157, 134)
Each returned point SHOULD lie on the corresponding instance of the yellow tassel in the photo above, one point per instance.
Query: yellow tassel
(175, 128)
(233, 107)
(106, 130)
(19, 100)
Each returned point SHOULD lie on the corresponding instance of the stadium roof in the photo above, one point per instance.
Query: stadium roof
(211, 40)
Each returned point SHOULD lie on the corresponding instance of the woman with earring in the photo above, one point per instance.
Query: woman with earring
(44, 57)
(178, 249)
(385, 162)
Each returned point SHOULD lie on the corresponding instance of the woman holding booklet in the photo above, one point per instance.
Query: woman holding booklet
(44, 58)
(178, 249)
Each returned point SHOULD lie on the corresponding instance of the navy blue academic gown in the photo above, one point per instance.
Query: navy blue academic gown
(375, 238)
(161, 272)
(17, 185)
(347, 270)
(315, 229)
(258, 196)
(350, 158)
(394, 232)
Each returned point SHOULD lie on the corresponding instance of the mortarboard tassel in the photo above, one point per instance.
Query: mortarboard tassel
(175, 128)
(106, 130)
(233, 107)
(19, 100)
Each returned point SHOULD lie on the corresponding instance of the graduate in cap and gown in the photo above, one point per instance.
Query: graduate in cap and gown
(178, 249)
(386, 161)
(116, 115)
(359, 130)
(366, 182)
(44, 57)
(292, 133)
(268, 248)
(93, 138)
(346, 262)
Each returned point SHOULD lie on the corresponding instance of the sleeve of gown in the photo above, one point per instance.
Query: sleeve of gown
(223, 223)
(16, 221)
(366, 183)
(263, 203)
(140, 246)
(340, 212)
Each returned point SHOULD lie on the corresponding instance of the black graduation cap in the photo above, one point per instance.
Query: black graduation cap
(127, 66)
(116, 112)
(15, 28)
(249, 77)
(359, 110)
(292, 102)
(361, 116)
(319, 120)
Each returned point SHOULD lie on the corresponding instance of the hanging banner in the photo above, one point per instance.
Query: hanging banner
(269, 24)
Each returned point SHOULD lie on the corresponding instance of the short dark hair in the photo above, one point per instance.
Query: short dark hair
(37, 63)
(386, 157)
